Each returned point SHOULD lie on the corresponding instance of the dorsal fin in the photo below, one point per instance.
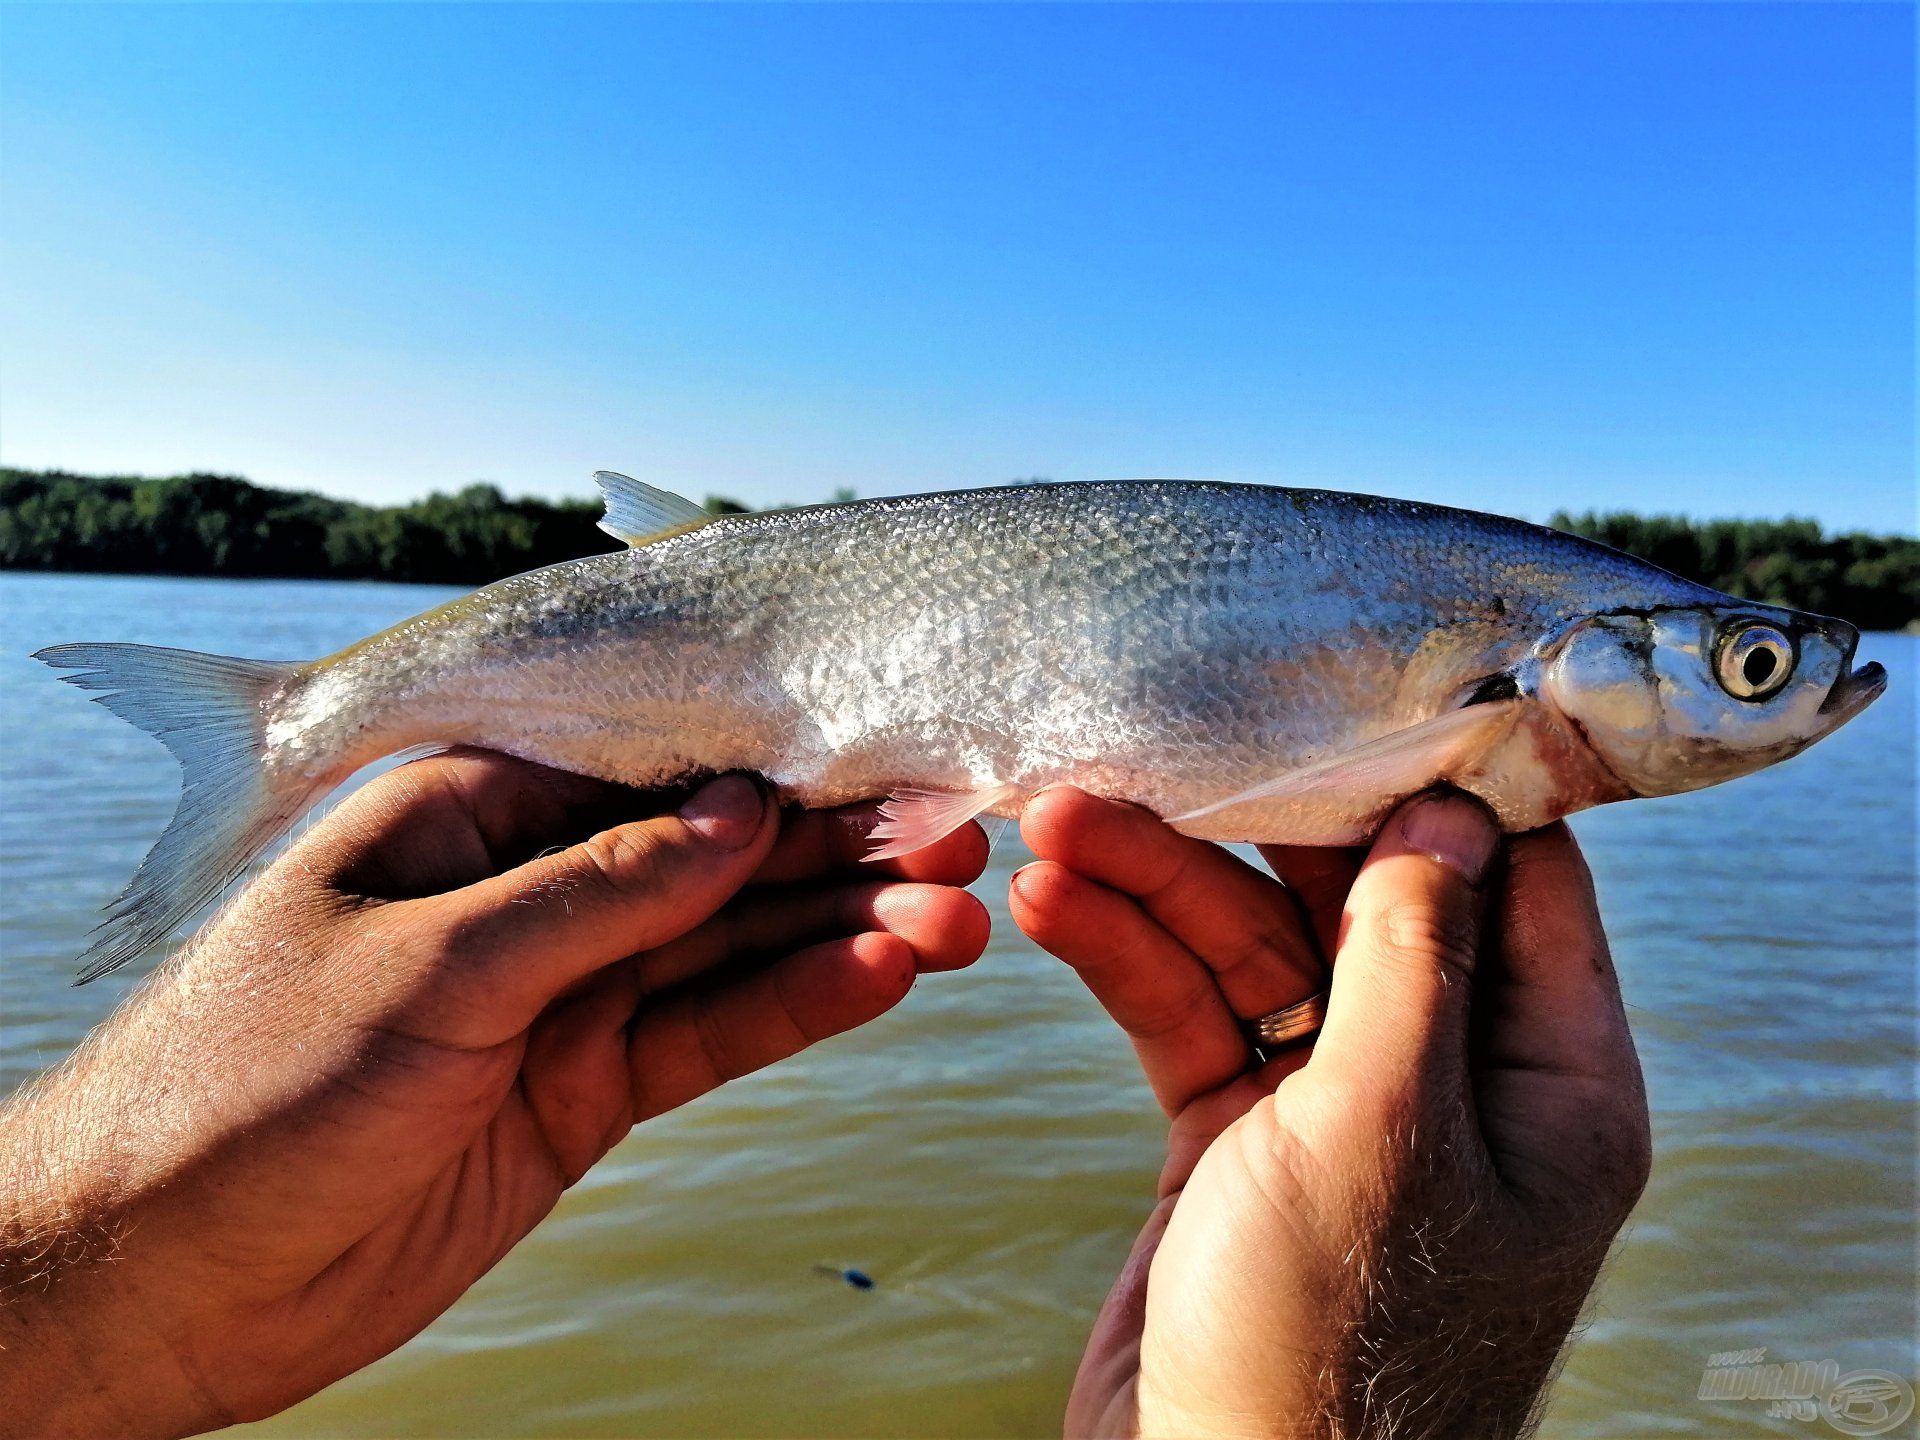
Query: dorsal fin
(638, 512)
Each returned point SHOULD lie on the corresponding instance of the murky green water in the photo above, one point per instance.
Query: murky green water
(987, 1151)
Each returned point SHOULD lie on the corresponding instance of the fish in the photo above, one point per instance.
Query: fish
(1250, 663)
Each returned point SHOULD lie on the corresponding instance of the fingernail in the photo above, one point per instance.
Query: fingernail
(725, 812)
(1454, 831)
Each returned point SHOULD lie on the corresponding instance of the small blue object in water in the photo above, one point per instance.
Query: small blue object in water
(858, 1279)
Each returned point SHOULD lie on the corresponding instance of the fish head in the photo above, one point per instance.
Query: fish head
(1678, 698)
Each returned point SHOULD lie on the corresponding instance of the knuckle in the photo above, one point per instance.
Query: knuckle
(1623, 1149)
(795, 1025)
(1420, 935)
(1597, 1173)
(1176, 876)
(719, 1051)
(1271, 941)
(1178, 1013)
(627, 860)
(451, 946)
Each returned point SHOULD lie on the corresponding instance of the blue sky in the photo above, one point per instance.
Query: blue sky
(1515, 257)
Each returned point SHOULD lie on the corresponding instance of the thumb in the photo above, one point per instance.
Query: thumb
(526, 935)
(1397, 1007)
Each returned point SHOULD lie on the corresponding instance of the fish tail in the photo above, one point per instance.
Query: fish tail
(211, 712)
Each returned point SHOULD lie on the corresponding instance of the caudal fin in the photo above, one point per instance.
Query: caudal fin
(209, 710)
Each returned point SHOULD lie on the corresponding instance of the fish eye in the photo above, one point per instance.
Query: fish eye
(1755, 662)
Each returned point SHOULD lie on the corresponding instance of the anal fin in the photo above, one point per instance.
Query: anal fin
(913, 819)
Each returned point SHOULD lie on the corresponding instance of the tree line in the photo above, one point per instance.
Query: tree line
(204, 524)
(222, 525)
(1872, 580)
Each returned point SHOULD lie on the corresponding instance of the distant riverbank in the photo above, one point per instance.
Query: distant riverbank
(204, 524)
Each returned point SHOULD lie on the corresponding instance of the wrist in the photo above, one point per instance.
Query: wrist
(76, 1355)
(1176, 1406)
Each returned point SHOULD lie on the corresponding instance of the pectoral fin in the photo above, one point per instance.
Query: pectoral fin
(913, 819)
(1393, 765)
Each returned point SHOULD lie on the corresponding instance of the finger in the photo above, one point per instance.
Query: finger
(448, 820)
(815, 842)
(1556, 1081)
(514, 941)
(704, 1036)
(1397, 1013)
(946, 928)
(1552, 994)
(1242, 926)
(1319, 877)
(1153, 986)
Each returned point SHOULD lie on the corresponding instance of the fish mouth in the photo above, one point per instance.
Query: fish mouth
(1852, 693)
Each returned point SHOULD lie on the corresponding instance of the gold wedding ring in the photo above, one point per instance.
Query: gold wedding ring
(1280, 1028)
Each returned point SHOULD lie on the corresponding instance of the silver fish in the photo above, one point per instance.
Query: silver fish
(1254, 664)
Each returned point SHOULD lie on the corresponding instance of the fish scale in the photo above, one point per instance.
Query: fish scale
(1253, 663)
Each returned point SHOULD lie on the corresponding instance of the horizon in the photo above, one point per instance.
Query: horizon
(1515, 258)
(591, 495)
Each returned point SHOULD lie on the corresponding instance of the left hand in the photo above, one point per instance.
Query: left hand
(380, 1067)
(1389, 1230)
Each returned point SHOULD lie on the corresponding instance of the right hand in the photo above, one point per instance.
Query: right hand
(1390, 1231)
(379, 1068)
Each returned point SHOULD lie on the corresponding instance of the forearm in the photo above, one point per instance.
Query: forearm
(79, 1355)
(1410, 1316)
(1440, 1351)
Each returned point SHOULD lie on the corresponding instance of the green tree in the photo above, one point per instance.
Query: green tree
(206, 524)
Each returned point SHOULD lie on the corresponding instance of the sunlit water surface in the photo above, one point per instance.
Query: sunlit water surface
(986, 1151)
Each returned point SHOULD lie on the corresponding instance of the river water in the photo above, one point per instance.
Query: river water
(986, 1152)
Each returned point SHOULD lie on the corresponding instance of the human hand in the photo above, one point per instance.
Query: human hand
(380, 1067)
(1392, 1230)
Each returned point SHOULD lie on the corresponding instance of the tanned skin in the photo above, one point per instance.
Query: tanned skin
(306, 1137)
(1391, 1231)
(380, 1067)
